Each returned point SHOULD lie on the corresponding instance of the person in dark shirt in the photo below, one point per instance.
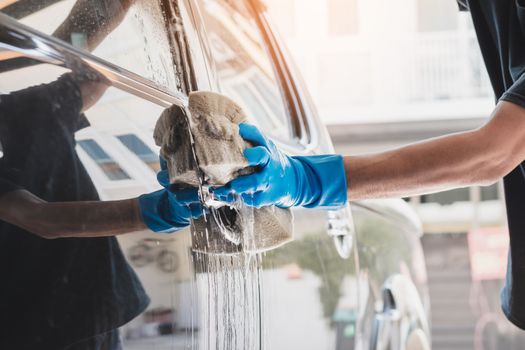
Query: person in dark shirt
(476, 157)
(62, 292)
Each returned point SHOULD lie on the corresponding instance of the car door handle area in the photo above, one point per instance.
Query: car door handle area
(401, 325)
(341, 228)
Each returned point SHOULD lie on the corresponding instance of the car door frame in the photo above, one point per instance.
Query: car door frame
(340, 223)
(308, 140)
(56, 52)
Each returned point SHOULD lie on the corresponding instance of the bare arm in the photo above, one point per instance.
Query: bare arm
(477, 157)
(94, 18)
(70, 219)
(92, 87)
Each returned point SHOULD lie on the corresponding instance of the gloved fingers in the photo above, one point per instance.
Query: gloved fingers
(226, 198)
(257, 156)
(252, 134)
(256, 199)
(186, 196)
(196, 210)
(249, 183)
(163, 178)
(221, 193)
(248, 199)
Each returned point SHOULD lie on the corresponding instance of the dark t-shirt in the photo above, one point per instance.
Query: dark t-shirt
(500, 27)
(55, 292)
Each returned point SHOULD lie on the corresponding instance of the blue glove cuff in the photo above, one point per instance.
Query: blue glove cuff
(152, 215)
(324, 182)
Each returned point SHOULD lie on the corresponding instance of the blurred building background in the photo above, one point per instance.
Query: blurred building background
(386, 73)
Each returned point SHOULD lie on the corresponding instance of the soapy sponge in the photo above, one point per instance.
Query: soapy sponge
(213, 122)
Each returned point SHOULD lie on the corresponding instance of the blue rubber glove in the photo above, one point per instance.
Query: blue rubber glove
(169, 210)
(284, 181)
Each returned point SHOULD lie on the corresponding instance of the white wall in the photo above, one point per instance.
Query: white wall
(393, 68)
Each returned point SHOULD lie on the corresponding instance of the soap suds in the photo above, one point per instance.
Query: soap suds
(228, 240)
(213, 121)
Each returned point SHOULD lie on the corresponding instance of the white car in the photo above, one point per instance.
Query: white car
(350, 279)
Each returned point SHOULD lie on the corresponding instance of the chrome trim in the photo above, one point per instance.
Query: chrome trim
(341, 228)
(402, 316)
(34, 44)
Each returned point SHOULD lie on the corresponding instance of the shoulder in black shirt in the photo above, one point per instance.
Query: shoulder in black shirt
(56, 291)
(500, 28)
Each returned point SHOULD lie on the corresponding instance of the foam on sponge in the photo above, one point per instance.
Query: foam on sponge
(213, 121)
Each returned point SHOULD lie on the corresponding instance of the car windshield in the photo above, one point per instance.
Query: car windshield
(129, 34)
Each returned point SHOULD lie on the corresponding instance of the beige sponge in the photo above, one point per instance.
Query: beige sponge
(213, 122)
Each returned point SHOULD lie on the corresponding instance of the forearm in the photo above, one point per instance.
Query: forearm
(71, 219)
(477, 157)
(416, 169)
(91, 219)
(95, 19)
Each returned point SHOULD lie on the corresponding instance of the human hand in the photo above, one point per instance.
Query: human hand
(169, 209)
(274, 182)
(285, 181)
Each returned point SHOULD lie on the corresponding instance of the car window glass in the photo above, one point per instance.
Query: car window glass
(43, 108)
(190, 293)
(141, 150)
(197, 300)
(245, 70)
(128, 33)
(106, 163)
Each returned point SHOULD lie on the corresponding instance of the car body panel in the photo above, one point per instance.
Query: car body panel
(302, 295)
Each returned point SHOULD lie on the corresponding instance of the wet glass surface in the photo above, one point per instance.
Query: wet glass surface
(244, 69)
(312, 299)
(129, 33)
(387, 246)
(197, 301)
(301, 295)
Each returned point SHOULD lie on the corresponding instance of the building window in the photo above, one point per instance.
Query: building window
(342, 17)
(111, 168)
(141, 150)
(437, 15)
